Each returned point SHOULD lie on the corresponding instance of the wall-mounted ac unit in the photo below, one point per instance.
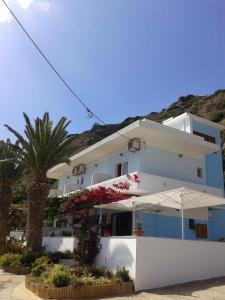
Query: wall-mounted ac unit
(78, 170)
(134, 145)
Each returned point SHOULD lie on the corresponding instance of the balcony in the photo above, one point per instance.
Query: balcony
(149, 183)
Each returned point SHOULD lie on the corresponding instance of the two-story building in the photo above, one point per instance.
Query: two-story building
(181, 152)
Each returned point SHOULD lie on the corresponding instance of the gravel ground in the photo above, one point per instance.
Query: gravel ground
(12, 288)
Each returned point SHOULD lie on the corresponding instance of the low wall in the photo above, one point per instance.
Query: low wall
(157, 262)
(53, 244)
(118, 252)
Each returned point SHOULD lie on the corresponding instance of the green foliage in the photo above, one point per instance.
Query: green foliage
(10, 170)
(88, 279)
(56, 256)
(14, 247)
(17, 217)
(41, 260)
(66, 233)
(79, 271)
(139, 223)
(53, 208)
(45, 146)
(58, 275)
(10, 260)
(28, 257)
(38, 270)
(123, 274)
(96, 271)
(216, 116)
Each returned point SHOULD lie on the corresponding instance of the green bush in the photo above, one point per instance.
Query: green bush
(123, 274)
(38, 270)
(61, 279)
(28, 257)
(96, 271)
(78, 271)
(58, 275)
(10, 260)
(40, 261)
(54, 257)
(216, 116)
(88, 279)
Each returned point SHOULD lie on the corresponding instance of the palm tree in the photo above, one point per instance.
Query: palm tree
(9, 174)
(43, 147)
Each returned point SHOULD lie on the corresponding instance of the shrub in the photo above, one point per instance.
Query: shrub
(40, 261)
(96, 271)
(79, 271)
(216, 116)
(28, 257)
(54, 257)
(66, 233)
(61, 279)
(38, 270)
(58, 275)
(12, 246)
(40, 265)
(88, 279)
(123, 274)
(10, 260)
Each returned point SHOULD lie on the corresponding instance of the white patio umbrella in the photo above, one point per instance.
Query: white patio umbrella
(181, 199)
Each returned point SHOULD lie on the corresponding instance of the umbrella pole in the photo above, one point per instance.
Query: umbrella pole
(133, 218)
(182, 216)
(100, 222)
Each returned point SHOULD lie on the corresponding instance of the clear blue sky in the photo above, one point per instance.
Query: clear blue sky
(123, 58)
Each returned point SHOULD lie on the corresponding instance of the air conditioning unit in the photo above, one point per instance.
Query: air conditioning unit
(78, 170)
(134, 145)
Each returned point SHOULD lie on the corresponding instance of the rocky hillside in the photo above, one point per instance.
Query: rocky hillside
(211, 107)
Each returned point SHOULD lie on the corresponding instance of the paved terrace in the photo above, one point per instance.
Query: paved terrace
(12, 288)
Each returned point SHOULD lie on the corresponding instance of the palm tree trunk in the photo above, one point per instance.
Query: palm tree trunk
(5, 202)
(37, 195)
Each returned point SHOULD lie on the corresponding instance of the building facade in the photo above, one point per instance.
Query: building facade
(182, 152)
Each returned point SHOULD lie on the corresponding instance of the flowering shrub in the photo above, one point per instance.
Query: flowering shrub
(81, 204)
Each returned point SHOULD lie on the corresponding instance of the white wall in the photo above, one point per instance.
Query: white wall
(107, 166)
(166, 163)
(53, 244)
(183, 124)
(157, 262)
(118, 252)
(162, 262)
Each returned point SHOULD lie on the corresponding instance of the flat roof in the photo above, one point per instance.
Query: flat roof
(156, 134)
(196, 118)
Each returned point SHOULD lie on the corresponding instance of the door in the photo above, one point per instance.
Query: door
(122, 224)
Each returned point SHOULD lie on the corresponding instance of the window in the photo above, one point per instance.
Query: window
(78, 181)
(82, 180)
(122, 169)
(199, 172)
(207, 138)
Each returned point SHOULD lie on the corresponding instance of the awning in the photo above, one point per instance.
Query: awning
(180, 199)
(175, 198)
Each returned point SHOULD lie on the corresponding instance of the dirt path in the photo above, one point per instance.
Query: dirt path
(12, 288)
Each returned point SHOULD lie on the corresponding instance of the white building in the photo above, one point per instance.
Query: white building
(182, 152)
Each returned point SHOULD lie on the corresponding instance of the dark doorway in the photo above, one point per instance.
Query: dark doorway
(122, 224)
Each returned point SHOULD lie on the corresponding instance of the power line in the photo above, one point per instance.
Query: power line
(90, 113)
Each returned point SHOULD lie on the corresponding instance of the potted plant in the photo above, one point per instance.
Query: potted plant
(138, 231)
(107, 231)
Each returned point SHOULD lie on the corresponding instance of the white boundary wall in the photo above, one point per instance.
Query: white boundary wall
(157, 262)
(53, 244)
(118, 252)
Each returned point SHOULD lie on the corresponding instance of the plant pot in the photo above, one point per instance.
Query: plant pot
(107, 232)
(138, 232)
